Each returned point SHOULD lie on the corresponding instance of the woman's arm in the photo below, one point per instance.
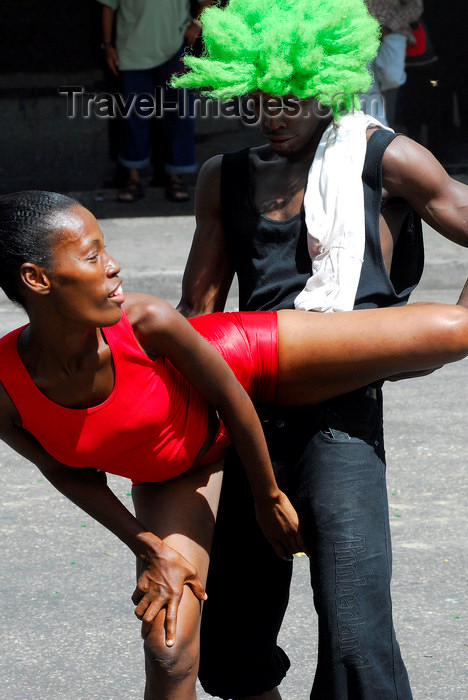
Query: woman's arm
(166, 571)
(162, 330)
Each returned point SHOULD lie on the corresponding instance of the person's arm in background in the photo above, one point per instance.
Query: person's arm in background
(209, 272)
(194, 29)
(107, 25)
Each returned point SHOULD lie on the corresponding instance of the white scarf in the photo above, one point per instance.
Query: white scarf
(334, 215)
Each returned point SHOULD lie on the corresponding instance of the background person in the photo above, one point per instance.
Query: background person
(388, 67)
(151, 38)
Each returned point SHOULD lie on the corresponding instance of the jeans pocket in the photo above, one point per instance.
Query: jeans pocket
(359, 420)
(334, 434)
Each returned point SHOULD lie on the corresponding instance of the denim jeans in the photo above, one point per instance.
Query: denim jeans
(177, 145)
(330, 461)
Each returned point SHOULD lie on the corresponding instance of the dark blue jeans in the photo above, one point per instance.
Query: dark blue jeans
(330, 461)
(177, 145)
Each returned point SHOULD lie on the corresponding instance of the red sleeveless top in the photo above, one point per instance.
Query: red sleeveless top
(154, 423)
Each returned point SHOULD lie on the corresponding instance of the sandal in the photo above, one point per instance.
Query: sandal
(176, 189)
(132, 191)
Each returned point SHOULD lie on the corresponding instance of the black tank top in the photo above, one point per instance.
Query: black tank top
(271, 259)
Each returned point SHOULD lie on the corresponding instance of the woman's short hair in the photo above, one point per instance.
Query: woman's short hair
(28, 222)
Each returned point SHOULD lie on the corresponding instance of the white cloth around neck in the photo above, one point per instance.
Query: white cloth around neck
(334, 215)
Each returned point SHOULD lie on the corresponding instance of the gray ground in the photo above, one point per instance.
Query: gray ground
(67, 628)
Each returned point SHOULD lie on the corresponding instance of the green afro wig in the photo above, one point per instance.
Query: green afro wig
(304, 48)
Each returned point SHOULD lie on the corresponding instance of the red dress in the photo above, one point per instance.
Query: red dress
(154, 423)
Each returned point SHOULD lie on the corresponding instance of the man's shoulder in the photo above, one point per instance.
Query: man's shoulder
(212, 166)
(212, 163)
(403, 154)
(249, 153)
(210, 172)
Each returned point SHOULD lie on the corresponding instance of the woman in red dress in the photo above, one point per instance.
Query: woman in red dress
(86, 388)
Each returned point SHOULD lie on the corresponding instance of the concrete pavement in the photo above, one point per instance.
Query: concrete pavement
(67, 628)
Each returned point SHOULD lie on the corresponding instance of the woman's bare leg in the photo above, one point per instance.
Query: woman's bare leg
(182, 512)
(325, 355)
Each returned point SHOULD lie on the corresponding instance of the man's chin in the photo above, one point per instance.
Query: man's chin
(285, 146)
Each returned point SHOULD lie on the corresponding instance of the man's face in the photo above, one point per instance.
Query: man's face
(288, 123)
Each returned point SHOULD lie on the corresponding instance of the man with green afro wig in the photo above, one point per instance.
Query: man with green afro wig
(333, 193)
(305, 48)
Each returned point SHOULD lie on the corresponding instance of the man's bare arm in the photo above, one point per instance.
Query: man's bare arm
(410, 171)
(208, 273)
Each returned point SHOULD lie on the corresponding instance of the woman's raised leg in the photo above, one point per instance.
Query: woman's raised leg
(325, 355)
(182, 512)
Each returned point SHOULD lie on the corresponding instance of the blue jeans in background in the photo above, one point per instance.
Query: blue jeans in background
(177, 147)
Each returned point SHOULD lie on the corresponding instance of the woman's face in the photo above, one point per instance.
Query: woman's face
(84, 286)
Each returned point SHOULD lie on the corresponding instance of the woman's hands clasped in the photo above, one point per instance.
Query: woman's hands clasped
(280, 525)
(161, 585)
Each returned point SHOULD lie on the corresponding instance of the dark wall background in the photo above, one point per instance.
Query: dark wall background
(45, 44)
(439, 115)
(48, 43)
(45, 36)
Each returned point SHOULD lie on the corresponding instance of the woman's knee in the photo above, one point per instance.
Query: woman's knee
(455, 331)
(171, 664)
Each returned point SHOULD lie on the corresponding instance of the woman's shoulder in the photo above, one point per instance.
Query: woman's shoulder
(151, 318)
(142, 309)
